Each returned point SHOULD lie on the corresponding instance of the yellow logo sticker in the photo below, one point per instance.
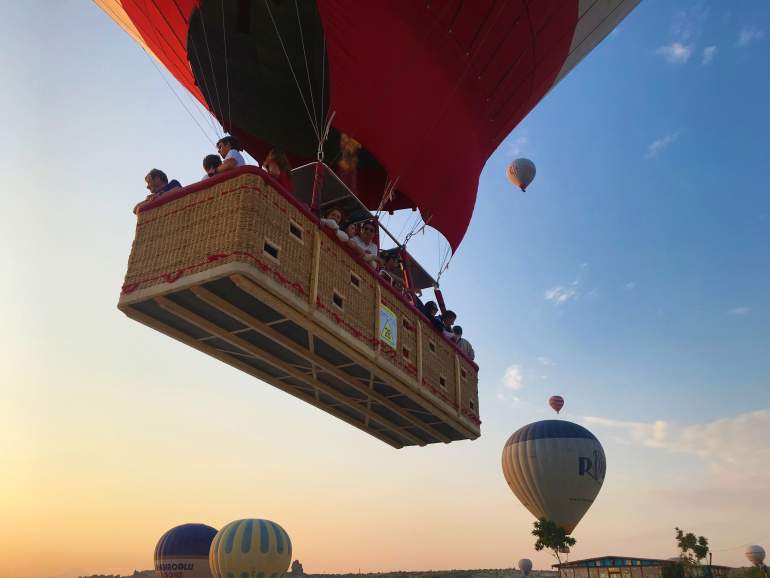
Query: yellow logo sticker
(388, 327)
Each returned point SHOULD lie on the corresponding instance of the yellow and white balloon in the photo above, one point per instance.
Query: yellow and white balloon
(250, 548)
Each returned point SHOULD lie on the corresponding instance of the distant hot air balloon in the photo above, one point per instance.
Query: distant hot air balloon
(556, 402)
(525, 565)
(556, 469)
(521, 172)
(250, 548)
(183, 552)
(755, 554)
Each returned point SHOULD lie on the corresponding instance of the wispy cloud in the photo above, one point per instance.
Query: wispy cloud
(517, 145)
(688, 24)
(563, 293)
(749, 34)
(686, 28)
(734, 445)
(630, 286)
(739, 311)
(543, 360)
(708, 54)
(658, 145)
(676, 52)
(512, 378)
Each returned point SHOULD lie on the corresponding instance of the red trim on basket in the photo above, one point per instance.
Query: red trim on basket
(175, 275)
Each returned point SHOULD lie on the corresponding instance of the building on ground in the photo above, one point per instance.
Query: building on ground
(629, 567)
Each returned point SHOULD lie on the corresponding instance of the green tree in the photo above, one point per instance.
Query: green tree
(552, 537)
(694, 548)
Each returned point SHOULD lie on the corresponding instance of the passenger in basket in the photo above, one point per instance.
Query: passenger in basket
(462, 343)
(229, 149)
(210, 165)
(349, 235)
(430, 310)
(277, 166)
(333, 218)
(447, 320)
(391, 269)
(157, 183)
(365, 243)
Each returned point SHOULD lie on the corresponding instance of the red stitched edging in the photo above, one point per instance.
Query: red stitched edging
(172, 277)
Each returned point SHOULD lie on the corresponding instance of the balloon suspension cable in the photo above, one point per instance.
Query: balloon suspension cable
(444, 264)
(208, 114)
(387, 195)
(220, 112)
(171, 88)
(293, 73)
(327, 128)
(319, 122)
(205, 89)
(416, 229)
(229, 118)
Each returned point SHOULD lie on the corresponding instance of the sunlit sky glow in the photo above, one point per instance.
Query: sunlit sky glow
(632, 278)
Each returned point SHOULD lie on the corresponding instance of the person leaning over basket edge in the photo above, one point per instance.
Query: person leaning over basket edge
(229, 149)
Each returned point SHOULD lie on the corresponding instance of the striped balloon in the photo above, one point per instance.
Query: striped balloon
(556, 469)
(556, 402)
(183, 552)
(250, 549)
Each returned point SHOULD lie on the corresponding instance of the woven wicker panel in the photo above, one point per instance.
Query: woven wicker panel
(271, 219)
(357, 315)
(405, 356)
(469, 389)
(227, 222)
(437, 363)
(177, 238)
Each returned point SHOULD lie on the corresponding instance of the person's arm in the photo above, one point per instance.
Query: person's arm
(226, 165)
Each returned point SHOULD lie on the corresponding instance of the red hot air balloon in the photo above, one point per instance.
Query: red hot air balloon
(407, 101)
(556, 402)
(429, 89)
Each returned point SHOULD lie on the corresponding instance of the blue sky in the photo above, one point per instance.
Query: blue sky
(633, 278)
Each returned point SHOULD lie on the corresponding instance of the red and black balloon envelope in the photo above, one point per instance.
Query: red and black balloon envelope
(429, 88)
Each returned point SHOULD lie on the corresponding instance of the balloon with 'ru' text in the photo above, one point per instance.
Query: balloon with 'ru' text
(183, 552)
(556, 469)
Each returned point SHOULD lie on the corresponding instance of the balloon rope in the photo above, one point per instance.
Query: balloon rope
(323, 87)
(291, 68)
(160, 41)
(203, 78)
(307, 66)
(171, 88)
(227, 71)
(211, 67)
